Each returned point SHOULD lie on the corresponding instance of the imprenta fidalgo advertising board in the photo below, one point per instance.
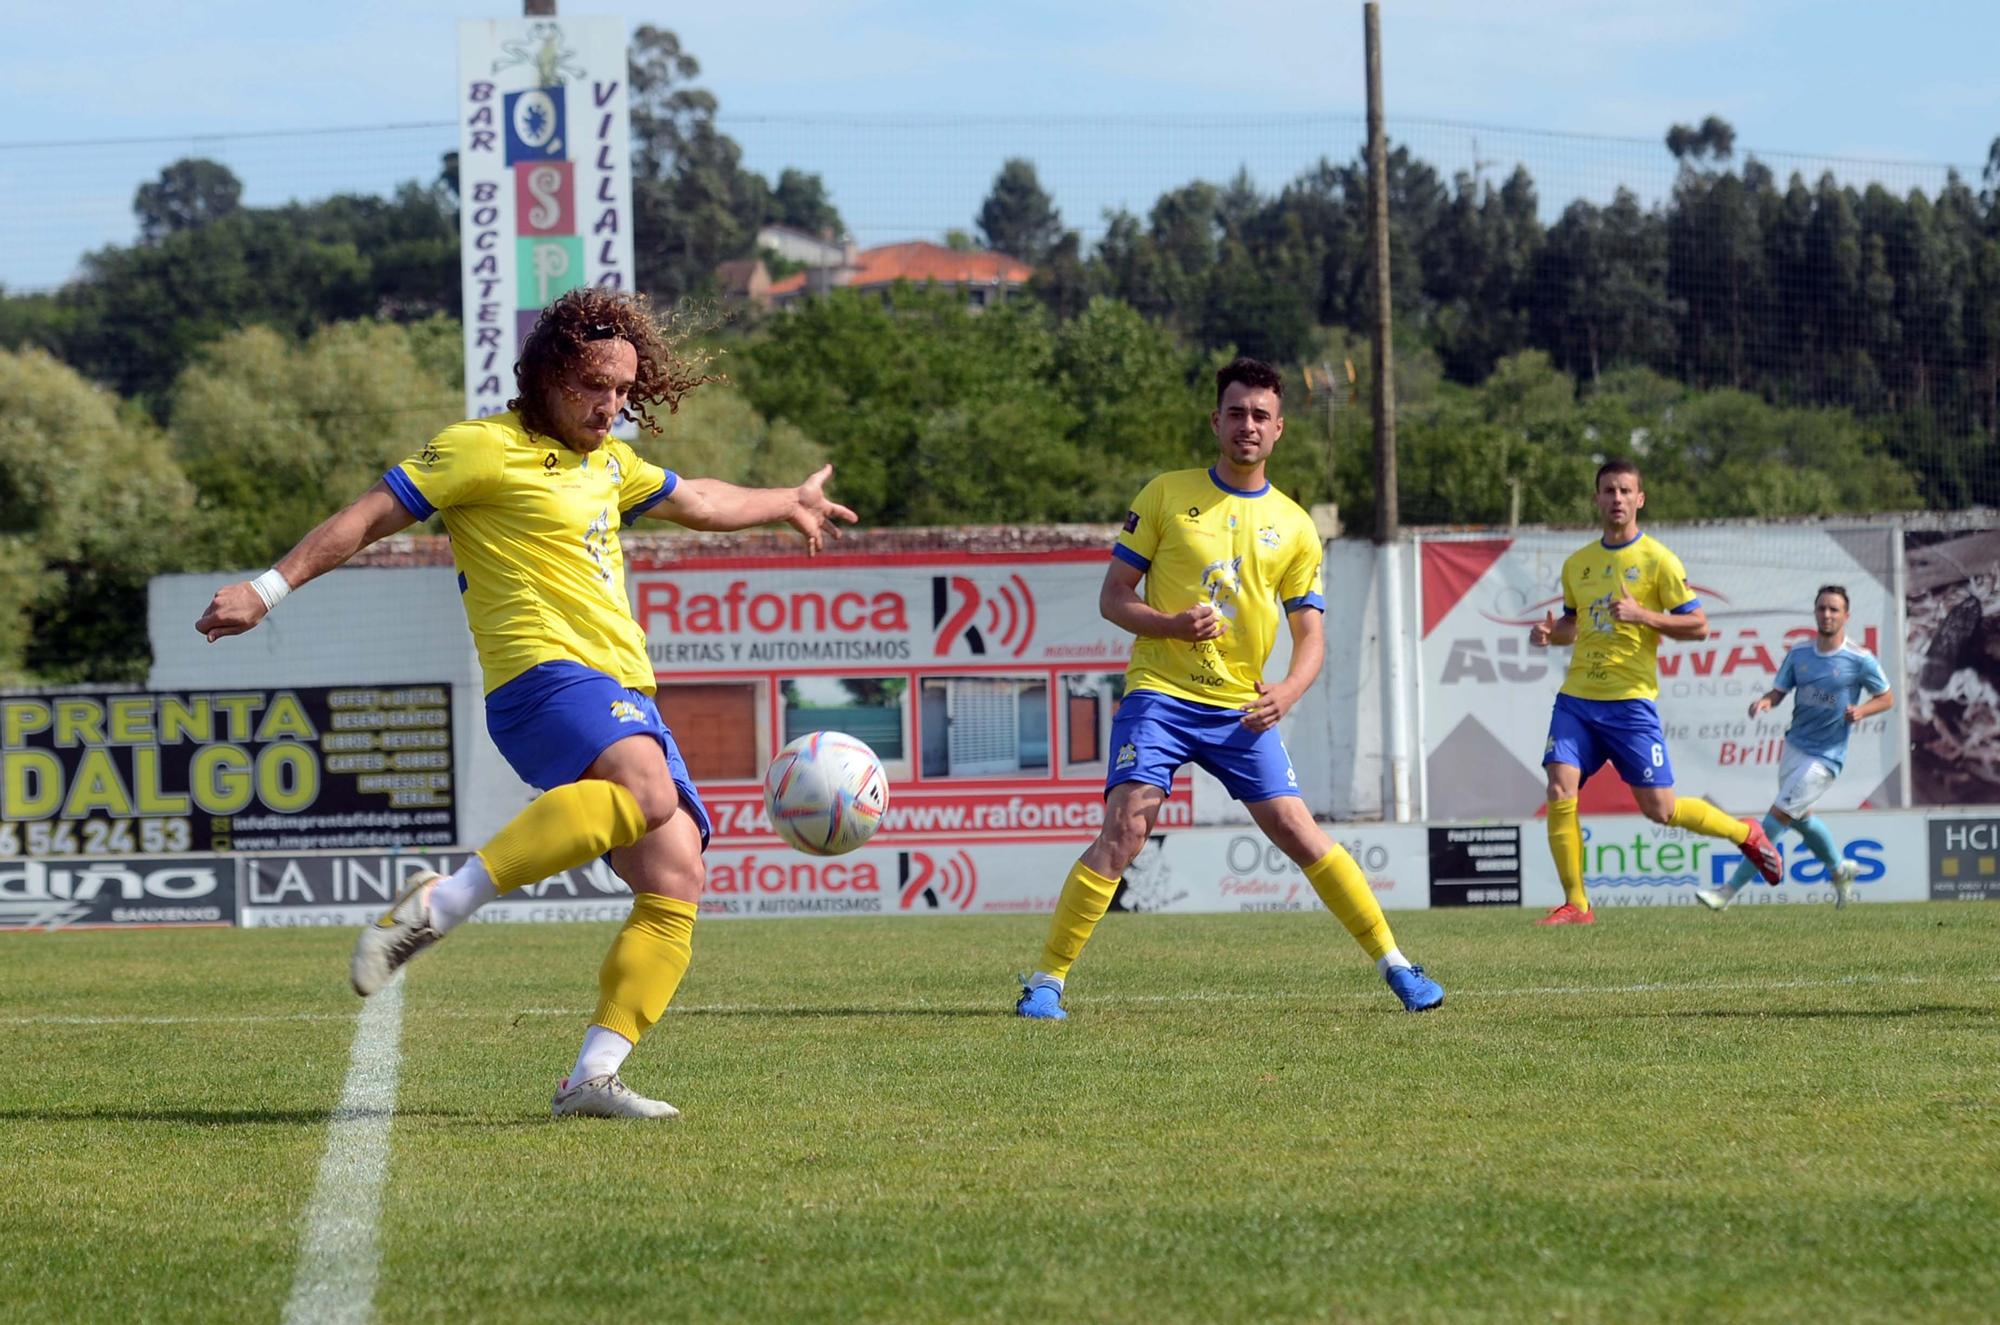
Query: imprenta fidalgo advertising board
(108, 774)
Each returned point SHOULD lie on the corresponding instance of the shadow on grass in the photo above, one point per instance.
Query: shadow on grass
(1819, 1014)
(810, 1013)
(212, 1117)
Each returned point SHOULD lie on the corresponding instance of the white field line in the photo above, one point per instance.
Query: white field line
(1107, 1000)
(338, 1256)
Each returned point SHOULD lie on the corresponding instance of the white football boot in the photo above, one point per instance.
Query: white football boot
(1719, 898)
(397, 935)
(607, 1097)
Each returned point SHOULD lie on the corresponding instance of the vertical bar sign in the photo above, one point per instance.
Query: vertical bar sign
(544, 181)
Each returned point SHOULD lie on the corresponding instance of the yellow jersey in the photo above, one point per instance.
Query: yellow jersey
(534, 531)
(1254, 555)
(1613, 659)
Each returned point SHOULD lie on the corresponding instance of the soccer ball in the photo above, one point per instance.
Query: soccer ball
(825, 793)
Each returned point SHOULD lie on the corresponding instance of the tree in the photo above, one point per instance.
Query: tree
(277, 434)
(800, 201)
(694, 206)
(1018, 218)
(191, 192)
(92, 505)
(718, 434)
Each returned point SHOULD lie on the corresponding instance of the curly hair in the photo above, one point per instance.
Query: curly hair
(1250, 372)
(669, 367)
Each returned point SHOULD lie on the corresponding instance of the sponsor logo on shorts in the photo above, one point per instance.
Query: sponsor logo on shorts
(1128, 755)
(626, 711)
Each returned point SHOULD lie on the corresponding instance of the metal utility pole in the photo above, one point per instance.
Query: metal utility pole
(1387, 522)
(1390, 608)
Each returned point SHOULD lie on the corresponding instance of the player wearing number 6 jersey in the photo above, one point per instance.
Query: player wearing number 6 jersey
(533, 500)
(1224, 558)
(1826, 676)
(1620, 595)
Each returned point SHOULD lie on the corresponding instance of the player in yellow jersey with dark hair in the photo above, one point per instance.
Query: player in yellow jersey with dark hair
(1620, 595)
(533, 500)
(1224, 557)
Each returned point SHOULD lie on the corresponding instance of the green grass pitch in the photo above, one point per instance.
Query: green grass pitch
(1781, 1113)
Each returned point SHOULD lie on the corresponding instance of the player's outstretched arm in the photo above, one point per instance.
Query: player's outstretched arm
(372, 516)
(709, 503)
(1118, 602)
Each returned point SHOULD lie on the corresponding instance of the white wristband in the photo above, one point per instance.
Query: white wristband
(271, 587)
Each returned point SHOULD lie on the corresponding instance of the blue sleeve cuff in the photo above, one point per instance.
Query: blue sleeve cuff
(406, 493)
(1129, 557)
(1312, 600)
(1689, 606)
(667, 487)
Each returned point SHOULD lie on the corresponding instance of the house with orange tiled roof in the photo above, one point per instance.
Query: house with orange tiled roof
(985, 277)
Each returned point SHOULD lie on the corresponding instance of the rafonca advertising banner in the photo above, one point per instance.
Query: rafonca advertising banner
(985, 684)
(102, 774)
(1487, 693)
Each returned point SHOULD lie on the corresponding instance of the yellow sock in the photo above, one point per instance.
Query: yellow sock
(1566, 845)
(560, 830)
(1344, 888)
(1698, 816)
(1086, 896)
(645, 965)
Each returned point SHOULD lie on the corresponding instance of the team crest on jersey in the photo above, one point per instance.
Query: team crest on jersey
(626, 711)
(1128, 755)
(1269, 537)
(1632, 573)
(611, 468)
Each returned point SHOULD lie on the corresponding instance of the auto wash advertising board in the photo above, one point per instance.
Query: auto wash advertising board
(1487, 693)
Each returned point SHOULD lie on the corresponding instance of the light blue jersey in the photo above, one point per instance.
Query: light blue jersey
(1822, 686)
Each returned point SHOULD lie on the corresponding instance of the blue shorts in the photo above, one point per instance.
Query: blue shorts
(1586, 732)
(1153, 734)
(553, 720)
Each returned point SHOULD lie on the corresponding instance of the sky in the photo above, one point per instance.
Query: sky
(907, 108)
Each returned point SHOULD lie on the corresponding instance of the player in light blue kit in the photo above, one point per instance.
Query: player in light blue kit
(1826, 676)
